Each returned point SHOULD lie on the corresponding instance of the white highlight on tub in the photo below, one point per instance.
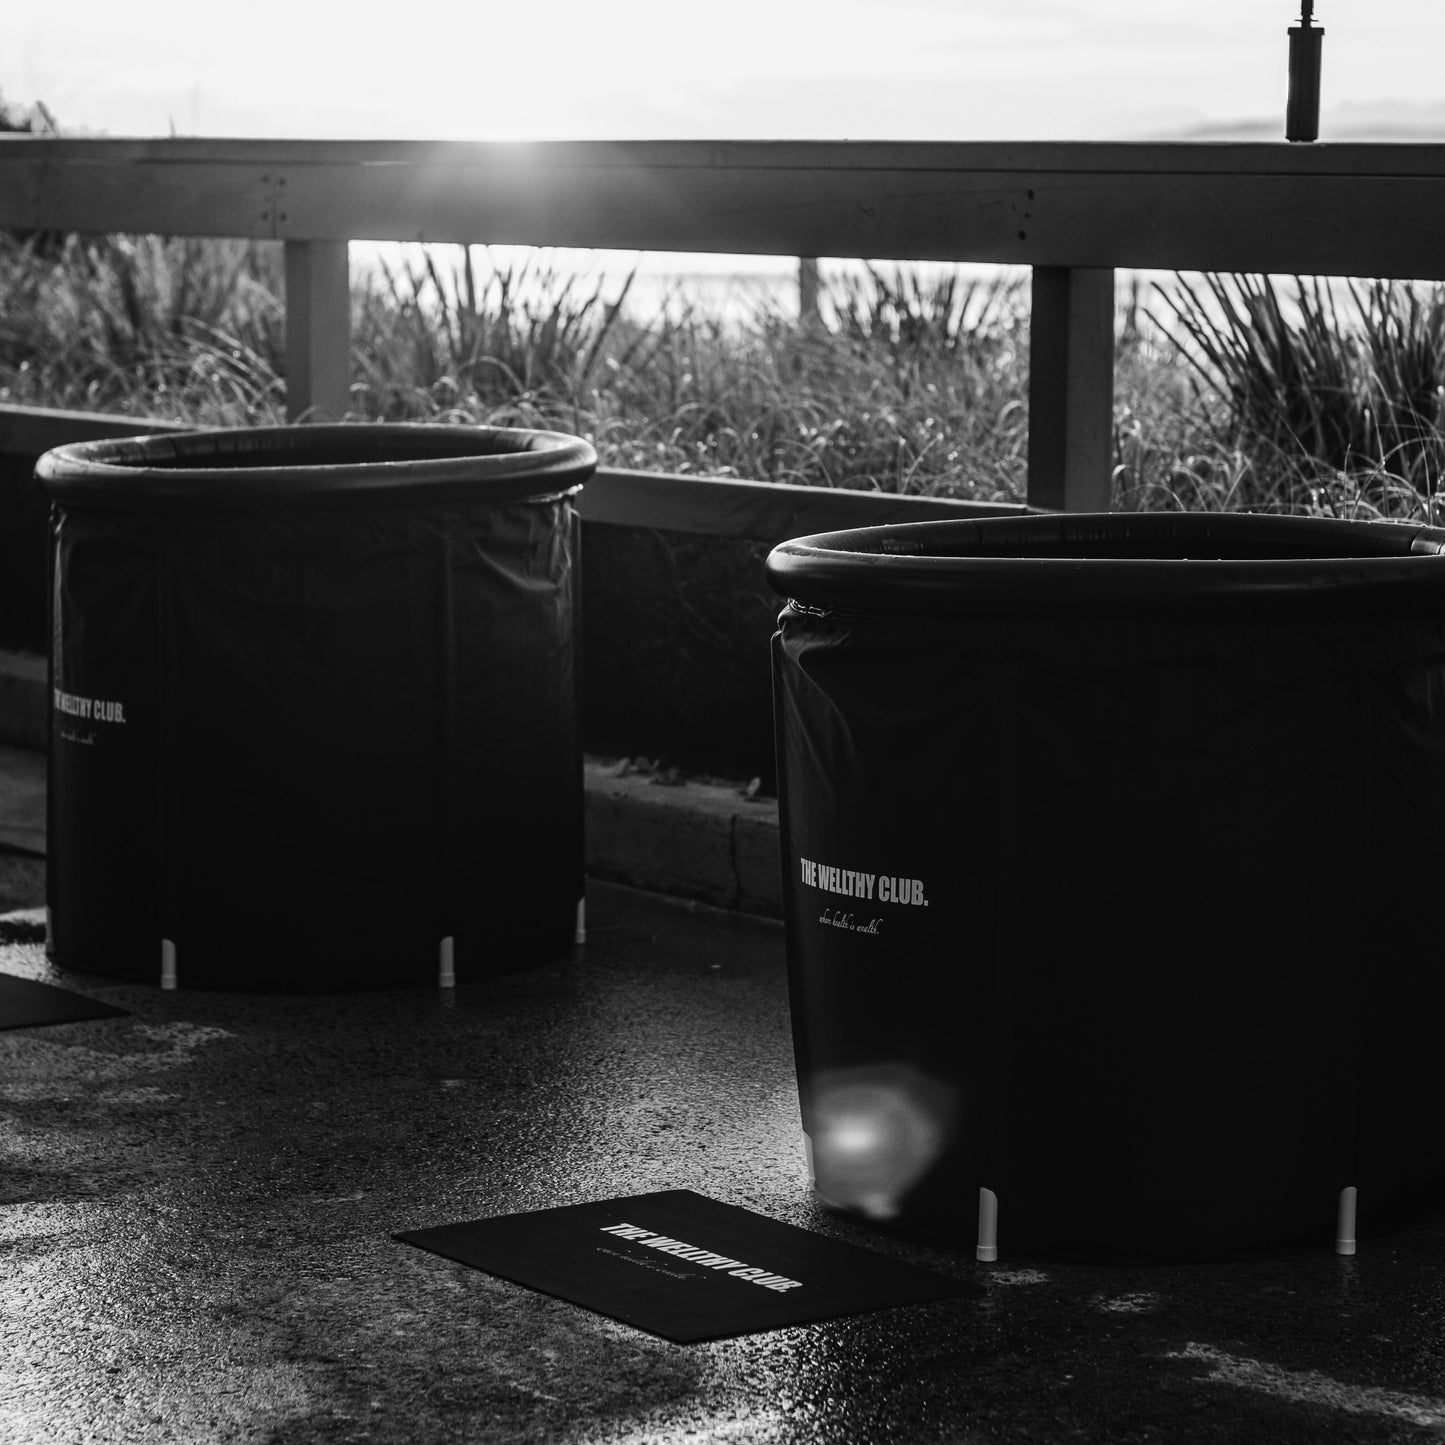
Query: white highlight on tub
(446, 971)
(168, 963)
(1313, 1388)
(1345, 1221)
(987, 1250)
(579, 934)
(876, 1130)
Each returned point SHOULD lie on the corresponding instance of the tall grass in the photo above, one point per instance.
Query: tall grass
(1327, 397)
(432, 340)
(1231, 391)
(178, 328)
(907, 390)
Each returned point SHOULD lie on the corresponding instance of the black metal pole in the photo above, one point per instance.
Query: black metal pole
(1302, 110)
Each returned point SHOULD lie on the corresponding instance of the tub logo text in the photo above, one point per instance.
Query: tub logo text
(837, 918)
(89, 709)
(848, 883)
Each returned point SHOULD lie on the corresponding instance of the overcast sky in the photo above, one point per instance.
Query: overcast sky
(891, 69)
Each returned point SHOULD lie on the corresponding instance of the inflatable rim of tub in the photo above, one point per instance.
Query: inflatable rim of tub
(330, 464)
(1167, 561)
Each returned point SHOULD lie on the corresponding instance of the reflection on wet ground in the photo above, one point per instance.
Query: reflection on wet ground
(198, 1199)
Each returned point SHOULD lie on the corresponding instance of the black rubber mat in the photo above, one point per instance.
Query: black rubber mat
(25, 1004)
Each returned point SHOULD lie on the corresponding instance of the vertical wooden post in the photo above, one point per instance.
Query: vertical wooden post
(1071, 388)
(318, 330)
(807, 290)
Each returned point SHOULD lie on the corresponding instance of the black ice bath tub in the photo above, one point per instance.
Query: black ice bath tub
(314, 705)
(1110, 850)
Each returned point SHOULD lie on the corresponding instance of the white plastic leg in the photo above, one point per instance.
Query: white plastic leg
(446, 971)
(987, 1226)
(168, 963)
(1345, 1221)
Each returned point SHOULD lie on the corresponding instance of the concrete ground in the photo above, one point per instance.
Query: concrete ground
(197, 1201)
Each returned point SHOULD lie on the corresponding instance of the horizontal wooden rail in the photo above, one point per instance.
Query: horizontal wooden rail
(31, 431)
(761, 511)
(1359, 209)
(1076, 212)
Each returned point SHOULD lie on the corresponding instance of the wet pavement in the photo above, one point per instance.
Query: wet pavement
(197, 1201)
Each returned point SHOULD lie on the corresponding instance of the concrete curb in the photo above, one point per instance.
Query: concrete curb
(23, 714)
(690, 840)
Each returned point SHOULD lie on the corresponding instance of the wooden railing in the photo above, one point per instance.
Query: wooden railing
(1073, 212)
(768, 512)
